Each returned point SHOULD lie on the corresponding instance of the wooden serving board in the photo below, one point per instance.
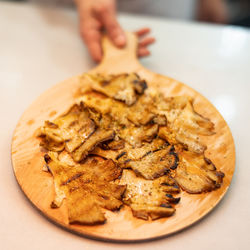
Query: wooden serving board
(37, 185)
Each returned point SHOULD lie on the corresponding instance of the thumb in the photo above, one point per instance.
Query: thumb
(107, 16)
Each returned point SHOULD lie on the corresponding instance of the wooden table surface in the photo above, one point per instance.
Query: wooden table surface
(40, 47)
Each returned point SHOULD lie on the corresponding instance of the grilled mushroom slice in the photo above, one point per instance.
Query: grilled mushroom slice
(69, 130)
(123, 87)
(196, 174)
(147, 198)
(185, 125)
(155, 163)
(187, 140)
(96, 138)
(129, 153)
(87, 187)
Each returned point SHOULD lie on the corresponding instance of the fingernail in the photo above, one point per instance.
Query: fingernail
(120, 40)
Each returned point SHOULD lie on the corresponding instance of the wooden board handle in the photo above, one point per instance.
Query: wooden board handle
(123, 58)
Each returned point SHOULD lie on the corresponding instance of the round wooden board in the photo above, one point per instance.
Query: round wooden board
(27, 158)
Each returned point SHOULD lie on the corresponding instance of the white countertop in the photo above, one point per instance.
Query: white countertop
(40, 47)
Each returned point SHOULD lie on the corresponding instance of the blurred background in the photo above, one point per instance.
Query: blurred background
(234, 12)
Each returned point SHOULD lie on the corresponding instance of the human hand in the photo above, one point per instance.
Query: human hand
(96, 15)
(213, 11)
(144, 42)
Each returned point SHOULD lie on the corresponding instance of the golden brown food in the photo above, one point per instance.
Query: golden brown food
(151, 142)
(106, 112)
(129, 153)
(184, 124)
(115, 144)
(123, 87)
(96, 138)
(88, 187)
(116, 116)
(135, 136)
(142, 112)
(149, 198)
(69, 130)
(196, 174)
(186, 140)
(155, 163)
(75, 131)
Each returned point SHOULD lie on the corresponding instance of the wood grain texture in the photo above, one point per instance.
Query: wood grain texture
(121, 226)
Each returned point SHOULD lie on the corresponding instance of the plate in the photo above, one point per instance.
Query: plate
(37, 185)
